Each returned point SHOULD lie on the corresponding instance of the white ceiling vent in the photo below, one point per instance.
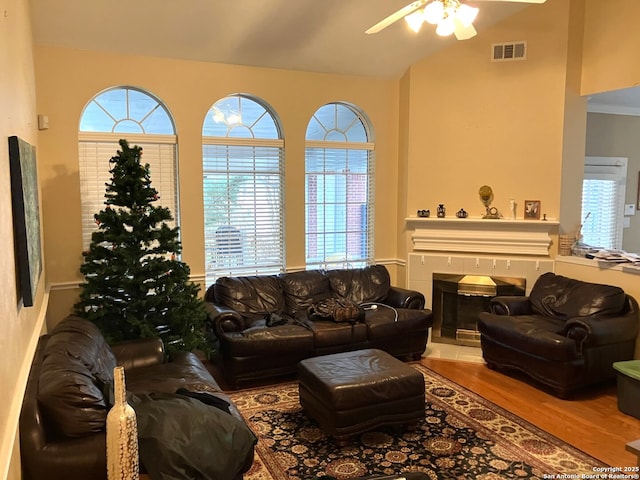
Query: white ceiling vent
(507, 52)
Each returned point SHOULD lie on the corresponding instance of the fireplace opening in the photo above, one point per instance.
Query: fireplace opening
(458, 299)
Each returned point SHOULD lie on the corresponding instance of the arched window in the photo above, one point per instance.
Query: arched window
(141, 119)
(243, 186)
(339, 188)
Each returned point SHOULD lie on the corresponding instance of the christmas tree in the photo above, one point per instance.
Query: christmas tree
(134, 285)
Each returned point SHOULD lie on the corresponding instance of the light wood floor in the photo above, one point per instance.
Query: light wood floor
(590, 421)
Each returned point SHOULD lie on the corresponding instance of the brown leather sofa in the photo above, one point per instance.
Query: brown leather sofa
(264, 330)
(565, 335)
(62, 422)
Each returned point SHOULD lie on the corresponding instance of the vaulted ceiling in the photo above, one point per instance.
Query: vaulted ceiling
(310, 35)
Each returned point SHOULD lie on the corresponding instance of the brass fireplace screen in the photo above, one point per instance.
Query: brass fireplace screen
(457, 300)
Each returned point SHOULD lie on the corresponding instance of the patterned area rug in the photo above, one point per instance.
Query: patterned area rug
(463, 436)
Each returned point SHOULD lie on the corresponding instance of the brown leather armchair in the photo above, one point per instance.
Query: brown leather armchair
(565, 335)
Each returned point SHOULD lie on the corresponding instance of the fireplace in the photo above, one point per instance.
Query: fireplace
(510, 253)
(457, 300)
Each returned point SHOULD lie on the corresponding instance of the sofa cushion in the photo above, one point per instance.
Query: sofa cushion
(269, 341)
(541, 337)
(361, 285)
(386, 322)
(184, 370)
(250, 295)
(76, 368)
(561, 297)
(303, 289)
(327, 333)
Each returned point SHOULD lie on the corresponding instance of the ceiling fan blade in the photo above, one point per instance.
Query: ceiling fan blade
(394, 17)
(464, 33)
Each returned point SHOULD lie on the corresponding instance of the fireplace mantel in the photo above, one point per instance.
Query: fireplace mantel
(478, 235)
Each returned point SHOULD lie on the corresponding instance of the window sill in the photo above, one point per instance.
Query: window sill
(588, 262)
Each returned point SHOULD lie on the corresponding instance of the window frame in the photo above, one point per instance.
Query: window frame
(610, 169)
(321, 148)
(228, 248)
(93, 177)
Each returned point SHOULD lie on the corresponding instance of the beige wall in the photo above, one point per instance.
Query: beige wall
(574, 131)
(20, 326)
(611, 45)
(473, 122)
(404, 129)
(619, 136)
(68, 79)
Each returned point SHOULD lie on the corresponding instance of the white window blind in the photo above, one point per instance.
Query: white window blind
(94, 173)
(243, 188)
(603, 193)
(141, 119)
(338, 213)
(243, 198)
(339, 189)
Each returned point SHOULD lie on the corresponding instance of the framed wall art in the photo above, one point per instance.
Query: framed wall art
(532, 209)
(26, 218)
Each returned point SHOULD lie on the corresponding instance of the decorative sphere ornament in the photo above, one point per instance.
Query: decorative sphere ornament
(486, 197)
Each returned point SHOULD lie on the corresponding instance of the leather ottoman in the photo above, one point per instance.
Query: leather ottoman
(353, 392)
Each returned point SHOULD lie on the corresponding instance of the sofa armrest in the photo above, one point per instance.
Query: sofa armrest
(224, 319)
(404, 298)
(511, 305)
(65, 459)
(139, 353)
(598, 330)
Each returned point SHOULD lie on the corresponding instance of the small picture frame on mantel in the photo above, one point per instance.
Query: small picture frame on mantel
(532, 209)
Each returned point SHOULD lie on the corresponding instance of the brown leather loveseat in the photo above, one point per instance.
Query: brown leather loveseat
(566, 334)
(63, 417)
(264, 329)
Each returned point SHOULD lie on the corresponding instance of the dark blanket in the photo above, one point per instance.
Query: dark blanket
(180, 437)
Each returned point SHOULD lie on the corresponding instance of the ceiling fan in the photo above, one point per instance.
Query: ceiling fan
(450, 16)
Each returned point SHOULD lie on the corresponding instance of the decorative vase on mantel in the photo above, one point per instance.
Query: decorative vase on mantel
(122, 434)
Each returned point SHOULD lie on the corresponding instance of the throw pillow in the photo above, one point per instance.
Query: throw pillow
(193, 440)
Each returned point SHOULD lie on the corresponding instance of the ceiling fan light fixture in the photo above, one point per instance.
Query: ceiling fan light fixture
(446, 27)
(466, 14)
(434, 12)
(415, 20)
(451, 16)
